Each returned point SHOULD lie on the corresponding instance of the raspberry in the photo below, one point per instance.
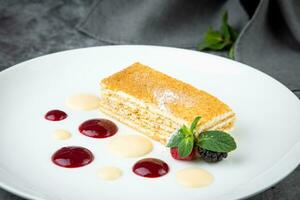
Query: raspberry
(175, 154)
(211, 156)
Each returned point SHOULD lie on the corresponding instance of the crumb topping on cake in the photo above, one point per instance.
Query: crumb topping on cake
(168, 94)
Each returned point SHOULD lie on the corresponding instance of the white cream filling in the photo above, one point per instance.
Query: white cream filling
(144, 115)
(128, 99)
(128, 117)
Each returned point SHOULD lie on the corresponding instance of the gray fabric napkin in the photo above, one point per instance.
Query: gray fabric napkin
(269, 29)
(176, 23)
(271, 41)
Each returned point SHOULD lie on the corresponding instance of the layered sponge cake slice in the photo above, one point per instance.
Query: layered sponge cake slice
(157, 104)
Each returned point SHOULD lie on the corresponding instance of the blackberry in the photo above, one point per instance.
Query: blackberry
(211, 156)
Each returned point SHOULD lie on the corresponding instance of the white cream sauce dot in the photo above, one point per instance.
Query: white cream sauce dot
(83, 102)
(194, 177)
(109, 173)
(130, 146)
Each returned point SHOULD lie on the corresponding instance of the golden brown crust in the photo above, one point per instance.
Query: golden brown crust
(170, 95)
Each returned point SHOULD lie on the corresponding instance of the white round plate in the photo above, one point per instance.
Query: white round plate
(267, 128)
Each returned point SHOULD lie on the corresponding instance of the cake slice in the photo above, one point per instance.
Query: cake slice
(157, 104)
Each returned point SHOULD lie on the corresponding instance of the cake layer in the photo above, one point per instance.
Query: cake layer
(122, 104)
(156, 135)
(149, 118)
(154, 132)
(124, 100)
(138, 117)
(170, 96)
(132, 101)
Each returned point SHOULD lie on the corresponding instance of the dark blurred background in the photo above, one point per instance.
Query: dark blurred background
(31, 28)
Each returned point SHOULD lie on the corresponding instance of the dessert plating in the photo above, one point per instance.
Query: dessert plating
(157, 104)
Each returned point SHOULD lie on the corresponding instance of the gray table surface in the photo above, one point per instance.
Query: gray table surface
(31, 28)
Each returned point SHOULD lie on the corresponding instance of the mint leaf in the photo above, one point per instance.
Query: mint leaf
(231, 52)
(202, 46)
(212, 40)
(233, 33)
(194, 124)
(175, 139)
(184, 138)
(185, 130)
(219, 46)
(213, 37)
(185, 147)
(219, 40)
(225, 27)
(217, 141)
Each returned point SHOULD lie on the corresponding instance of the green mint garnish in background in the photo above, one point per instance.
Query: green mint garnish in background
(185, 139)
(220, 40)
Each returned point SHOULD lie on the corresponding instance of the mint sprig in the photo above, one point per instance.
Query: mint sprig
(186, 138)
(222, 39)
(194, 124)
(176, 139)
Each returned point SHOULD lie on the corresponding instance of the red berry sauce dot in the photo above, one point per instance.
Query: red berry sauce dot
(98, 128)
(150, 168)
(72, 157)
(55, 115)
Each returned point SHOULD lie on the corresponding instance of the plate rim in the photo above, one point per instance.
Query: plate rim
(284, 170)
